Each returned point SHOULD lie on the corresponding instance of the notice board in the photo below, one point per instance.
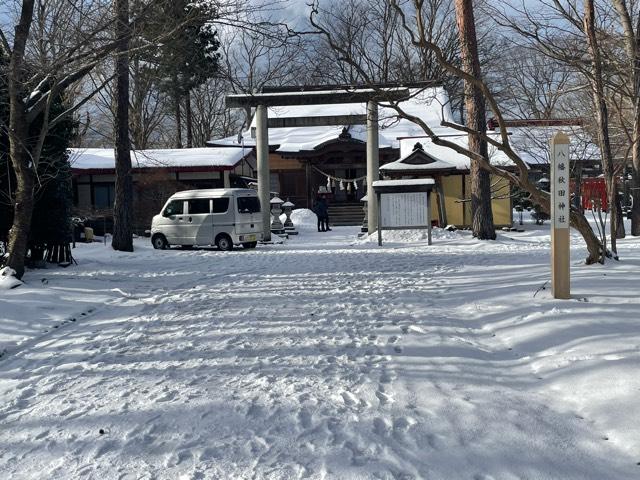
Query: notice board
(404, 209)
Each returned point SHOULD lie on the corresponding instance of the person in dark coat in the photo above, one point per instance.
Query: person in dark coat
(326, 213)
(322, 212)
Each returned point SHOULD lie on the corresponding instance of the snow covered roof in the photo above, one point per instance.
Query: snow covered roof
(402, 183)
(532, 143)
(104, 158)
(444, 155)
(430, 104)
(417, 160)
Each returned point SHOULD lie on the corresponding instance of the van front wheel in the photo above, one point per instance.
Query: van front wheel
(159, 242)
(250, 244)
(223, 242)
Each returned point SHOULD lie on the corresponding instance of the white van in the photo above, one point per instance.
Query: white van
(223, 217)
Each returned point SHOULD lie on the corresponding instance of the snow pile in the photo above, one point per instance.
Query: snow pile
(303, 219)
(8, 279)
(416, 236)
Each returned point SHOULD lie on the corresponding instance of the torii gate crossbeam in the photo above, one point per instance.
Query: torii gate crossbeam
(261, 101)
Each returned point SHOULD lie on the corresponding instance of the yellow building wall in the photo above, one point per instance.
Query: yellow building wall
(459, 213)
(467, 205)
(502, 208)
(453, 193)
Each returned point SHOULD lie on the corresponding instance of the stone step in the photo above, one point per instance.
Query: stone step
(346, 210)
(346, 214)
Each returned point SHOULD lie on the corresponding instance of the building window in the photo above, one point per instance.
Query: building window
(103, 195)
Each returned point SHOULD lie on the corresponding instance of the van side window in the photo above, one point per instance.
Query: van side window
(248, 204)
(175, 207)
(220, 205)
(199, 205)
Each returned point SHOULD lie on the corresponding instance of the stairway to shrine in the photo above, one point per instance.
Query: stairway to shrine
(346, 214)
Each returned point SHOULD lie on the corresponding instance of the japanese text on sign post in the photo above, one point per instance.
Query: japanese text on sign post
(560, 195)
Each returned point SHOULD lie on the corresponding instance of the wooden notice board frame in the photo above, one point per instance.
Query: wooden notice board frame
(383, 187)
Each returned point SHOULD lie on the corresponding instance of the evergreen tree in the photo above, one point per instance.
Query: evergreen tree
(188, 59)
(51, 220)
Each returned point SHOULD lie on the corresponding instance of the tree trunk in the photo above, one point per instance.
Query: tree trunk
(123, 206)
(577, 220)
(176, 101)
(635, 165)
(594, 247)
(248, 115)
(602, 121)
(17, 244)
(482, 215)
(137, 128)
(189, 119)
(635, 172)
(632, 46)
(23, 165)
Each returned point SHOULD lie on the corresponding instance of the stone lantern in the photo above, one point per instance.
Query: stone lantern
(365, 227)
(289, 227)
(276, 209)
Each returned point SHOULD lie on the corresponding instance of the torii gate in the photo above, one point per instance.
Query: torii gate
(262, 101)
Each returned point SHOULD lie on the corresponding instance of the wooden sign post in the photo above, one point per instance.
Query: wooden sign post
(560, 209)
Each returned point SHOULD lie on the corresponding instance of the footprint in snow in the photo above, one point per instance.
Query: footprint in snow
(387, 376)
(349, 398)
(383, 397)
(403, 424)
(381, 426)
(305, 417)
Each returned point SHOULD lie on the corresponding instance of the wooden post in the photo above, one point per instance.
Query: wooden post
(264, 178)
(560, 208)
(373, 164)
(429, 218)
(378, 197)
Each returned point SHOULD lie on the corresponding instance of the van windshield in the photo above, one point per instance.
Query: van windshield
(248, 205)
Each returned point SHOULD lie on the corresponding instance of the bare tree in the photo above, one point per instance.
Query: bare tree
(584, 40)
(41, 69)
(253, 58)
(533, 86)
(34, 81)
(631, 39)
(146, 111)
(410, 14)
(210, 117)
(602, 120)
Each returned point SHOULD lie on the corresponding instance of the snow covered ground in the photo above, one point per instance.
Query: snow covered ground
(326, 357)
